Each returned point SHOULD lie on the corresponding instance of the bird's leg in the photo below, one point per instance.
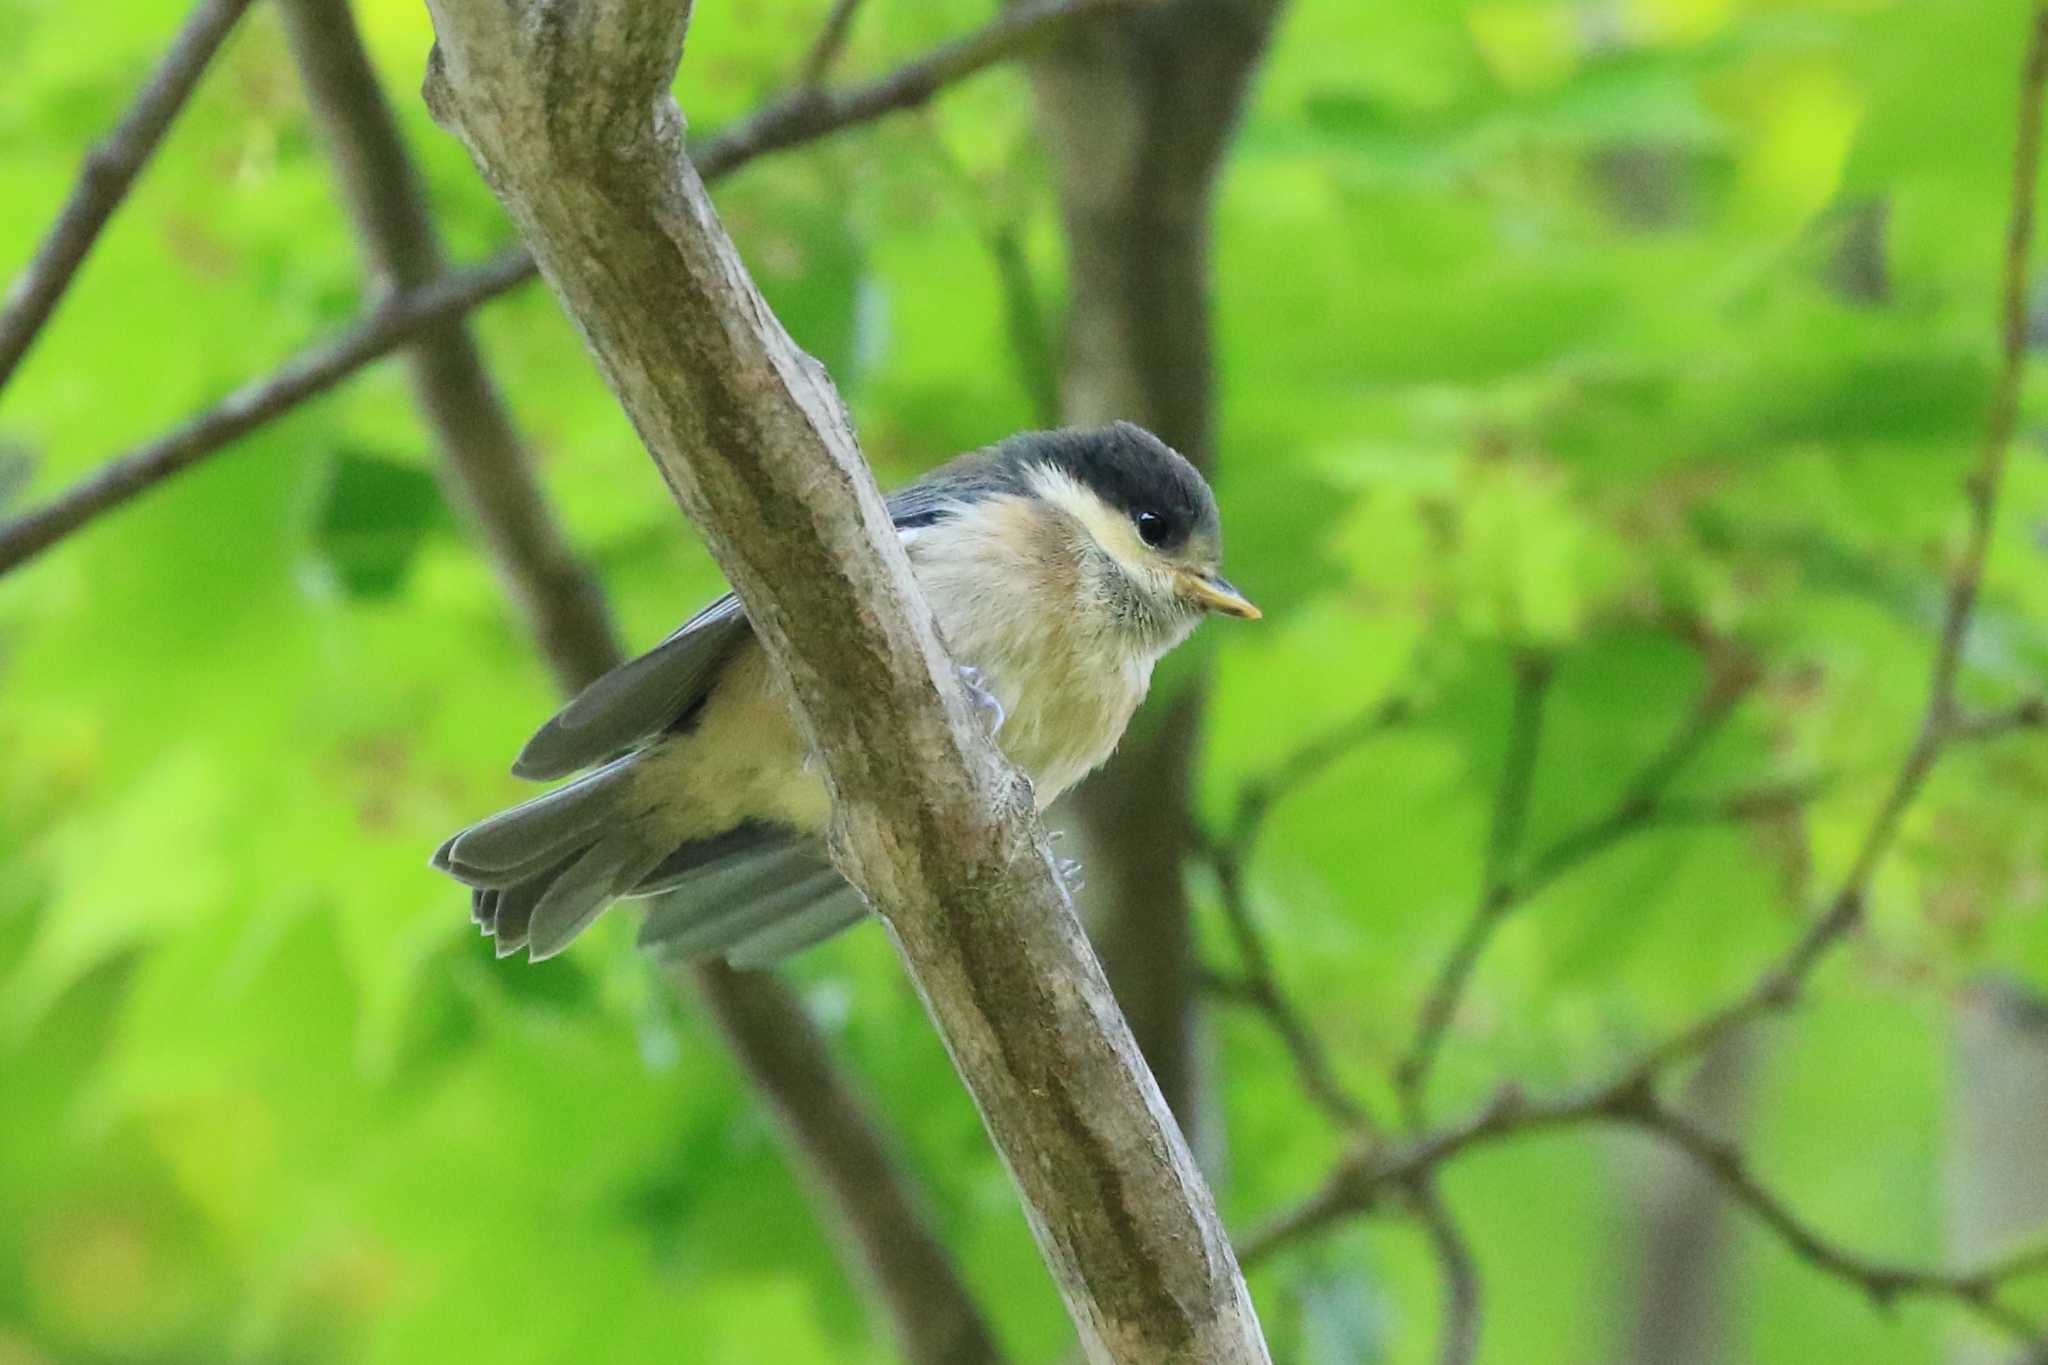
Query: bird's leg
(983, 699)
(1071, 875)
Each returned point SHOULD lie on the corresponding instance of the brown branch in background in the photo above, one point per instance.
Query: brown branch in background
(387, 325)
(486, 461)
(1641, 806)
(826, 47)
(1459, 1273)
(862, 1189)
(808, 114)
(108, 174)
(1533, 673)
(572, 122)
(1629, 1098)
(2029, 714)
(1257, 987)
(1364, 1182)
(836, 1143)
(781, 124)
(1256, 984)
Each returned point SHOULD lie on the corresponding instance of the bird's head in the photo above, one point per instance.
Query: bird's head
(1143, 522)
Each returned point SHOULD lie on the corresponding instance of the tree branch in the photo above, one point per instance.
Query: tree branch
(1257, 985)
(2028, 714)
(1361, 1183)
(386, 326)
(487, 465)
(1459, 1272)
(567, 111)
(1642, 805)
(830, 42)
(833, 1138)
(862, 1188)
(1503, 845)
(784, 123)
(105, 179)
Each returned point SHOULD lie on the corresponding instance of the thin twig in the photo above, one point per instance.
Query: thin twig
(104, 181)
(1257, 985)
(2030, 714)
(1642, 805)
(778, 126)
(1459, 1340)
(806, 114)
(1362, 1182)
(389, 324)
(1781, 985)
(830, 42)
(1503, 845)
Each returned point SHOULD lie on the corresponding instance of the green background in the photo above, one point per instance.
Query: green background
(1532, 333)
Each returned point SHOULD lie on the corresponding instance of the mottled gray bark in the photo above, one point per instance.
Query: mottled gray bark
(566, 108)
(1137, 114)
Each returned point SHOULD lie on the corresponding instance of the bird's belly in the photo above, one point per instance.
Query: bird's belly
(1057, 732)
(1064, 706)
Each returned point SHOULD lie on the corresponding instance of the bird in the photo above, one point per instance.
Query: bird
(1060, 566)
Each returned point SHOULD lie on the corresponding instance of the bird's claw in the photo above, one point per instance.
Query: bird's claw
(1070, 874)
(983, 699)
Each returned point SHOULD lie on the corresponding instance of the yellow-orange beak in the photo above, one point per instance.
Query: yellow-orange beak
(1213, 592)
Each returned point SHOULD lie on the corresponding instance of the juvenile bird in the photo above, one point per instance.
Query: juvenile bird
(1060, 566)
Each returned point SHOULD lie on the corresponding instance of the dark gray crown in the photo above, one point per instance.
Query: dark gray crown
(1125, 465)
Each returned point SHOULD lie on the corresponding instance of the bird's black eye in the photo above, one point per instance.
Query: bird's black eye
(1152, 528)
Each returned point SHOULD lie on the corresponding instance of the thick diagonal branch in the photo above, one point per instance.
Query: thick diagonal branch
(566, 109)
(833, 1138)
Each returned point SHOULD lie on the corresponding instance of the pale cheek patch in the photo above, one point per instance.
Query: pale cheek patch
(1111, 529)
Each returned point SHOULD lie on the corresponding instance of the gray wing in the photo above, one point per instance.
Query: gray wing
(639, 698)
(645, 696)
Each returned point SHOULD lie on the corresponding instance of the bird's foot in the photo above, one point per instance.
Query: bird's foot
(984, 700)
(1071, 876)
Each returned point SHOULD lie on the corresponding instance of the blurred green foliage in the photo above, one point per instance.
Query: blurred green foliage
(1542, 324)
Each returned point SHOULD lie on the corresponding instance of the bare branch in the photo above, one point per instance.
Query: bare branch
(1258, 986)
(1504, 843)
(839, 1145)
(778, 126)
(807, 114)
(2029, 714)
(567, 109)
(1363, 1181)
(487, 465)
(1256, 801)
(1642, 805)
(1460, 1273)
(104, 181)
(388, 325)
(862, 1188)
(830, 42)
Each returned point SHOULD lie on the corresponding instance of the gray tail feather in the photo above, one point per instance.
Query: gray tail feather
(837, 910)
(542, 871)
(513, 845)
(758, 881)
